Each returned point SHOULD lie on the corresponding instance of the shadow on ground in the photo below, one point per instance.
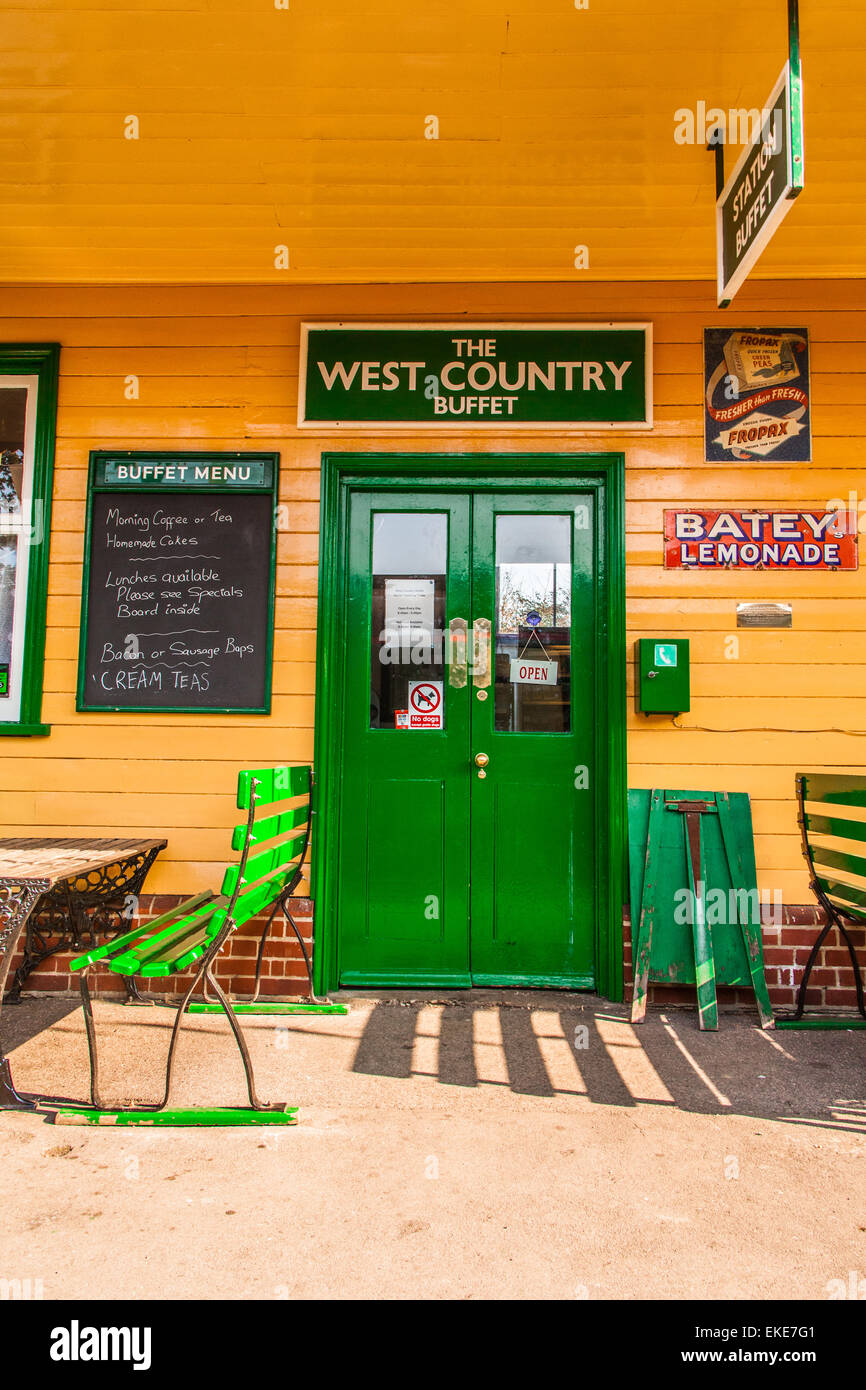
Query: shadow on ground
(542, 1044)
(552, 1045)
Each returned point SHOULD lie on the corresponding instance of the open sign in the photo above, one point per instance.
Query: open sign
(529, 672)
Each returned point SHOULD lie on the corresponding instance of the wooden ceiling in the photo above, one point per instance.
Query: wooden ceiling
(261, 128)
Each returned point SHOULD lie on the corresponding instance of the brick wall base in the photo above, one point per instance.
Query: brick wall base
(786, 950)
(787, 945)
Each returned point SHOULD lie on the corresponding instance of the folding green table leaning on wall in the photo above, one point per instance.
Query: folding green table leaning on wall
(695, 908)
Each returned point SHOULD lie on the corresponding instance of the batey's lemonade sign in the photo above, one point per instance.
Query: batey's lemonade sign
(504, 376)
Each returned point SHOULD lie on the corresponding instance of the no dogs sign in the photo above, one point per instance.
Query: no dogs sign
(425, 707)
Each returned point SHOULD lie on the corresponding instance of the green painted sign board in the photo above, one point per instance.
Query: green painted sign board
(759, 193)
(143, 472)
(470, 376)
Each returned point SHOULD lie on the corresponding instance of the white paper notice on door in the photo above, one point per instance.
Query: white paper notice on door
(529, 672)
(409, 608)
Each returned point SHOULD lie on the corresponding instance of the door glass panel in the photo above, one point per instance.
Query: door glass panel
(410, 560)
(532, 643)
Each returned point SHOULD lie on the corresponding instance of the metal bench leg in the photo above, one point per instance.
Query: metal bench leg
(260, 956)
(833, 920)
(813, 956)
(224, 1000)
(855, 966)
(307, 962)
(90, 1028)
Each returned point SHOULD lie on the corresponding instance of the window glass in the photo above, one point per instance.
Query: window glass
(532, 642)
(407, 670)
(17, 417)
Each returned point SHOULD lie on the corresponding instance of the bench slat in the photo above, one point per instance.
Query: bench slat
(262, 896)
(275, 784)
(148, 931)
(154, 948)
(852, 900)
(261, 865)
(193, 950)
(269, 827)
(835, 859)
(841, 829)
(835, 789)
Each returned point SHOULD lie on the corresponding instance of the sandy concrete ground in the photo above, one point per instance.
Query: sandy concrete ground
(491, 1145)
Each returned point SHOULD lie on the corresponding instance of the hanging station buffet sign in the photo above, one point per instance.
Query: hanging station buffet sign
(402, 376)
(178, 598)
(766, 179)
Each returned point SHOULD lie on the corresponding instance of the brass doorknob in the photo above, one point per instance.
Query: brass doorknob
(481, 760)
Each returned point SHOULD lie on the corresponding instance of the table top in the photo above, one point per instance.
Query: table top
(54, 859)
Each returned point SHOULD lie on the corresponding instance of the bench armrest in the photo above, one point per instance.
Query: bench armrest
(119, 943)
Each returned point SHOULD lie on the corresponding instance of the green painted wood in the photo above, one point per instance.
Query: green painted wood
(852, 901)
(400, 979)
(825, 858)
(277, 1008)
(731, 902)
(125, 954)
(570, 981)
(646, 823)
(172, 1118)
(534, 843)
(444, 476)
(119, 944)
(173, 955)
(835, 828)
(835, 1023)
(251, 903)
(274, 784)
(751, 930)
(836, 789)
(281, 858)
(702, 938)
(403, 838)
(269, 827)
(41, 360)
(418, 826)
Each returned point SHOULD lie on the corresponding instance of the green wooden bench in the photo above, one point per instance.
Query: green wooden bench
(272, 845)
(837, 877)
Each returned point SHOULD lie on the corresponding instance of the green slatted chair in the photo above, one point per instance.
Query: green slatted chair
(837, 877)
(272, 849)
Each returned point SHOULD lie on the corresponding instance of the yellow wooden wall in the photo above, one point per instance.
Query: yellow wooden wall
(218, 369)
(306, 127)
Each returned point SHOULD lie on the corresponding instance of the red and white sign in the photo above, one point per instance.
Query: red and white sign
(425, 705)
(525, 671)
(702, 539)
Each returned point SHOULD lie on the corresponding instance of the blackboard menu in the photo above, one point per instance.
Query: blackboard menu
(178, 594)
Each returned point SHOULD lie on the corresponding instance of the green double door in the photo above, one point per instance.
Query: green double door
(468, 839)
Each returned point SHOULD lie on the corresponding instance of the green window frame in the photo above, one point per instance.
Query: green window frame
(27, 522)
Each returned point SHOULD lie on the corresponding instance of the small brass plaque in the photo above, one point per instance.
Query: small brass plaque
(764, 615)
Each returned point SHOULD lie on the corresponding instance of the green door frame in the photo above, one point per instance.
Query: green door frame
(602, 473)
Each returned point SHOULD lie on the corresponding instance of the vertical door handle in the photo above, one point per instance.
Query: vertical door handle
(481, 634)
(458, 642)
